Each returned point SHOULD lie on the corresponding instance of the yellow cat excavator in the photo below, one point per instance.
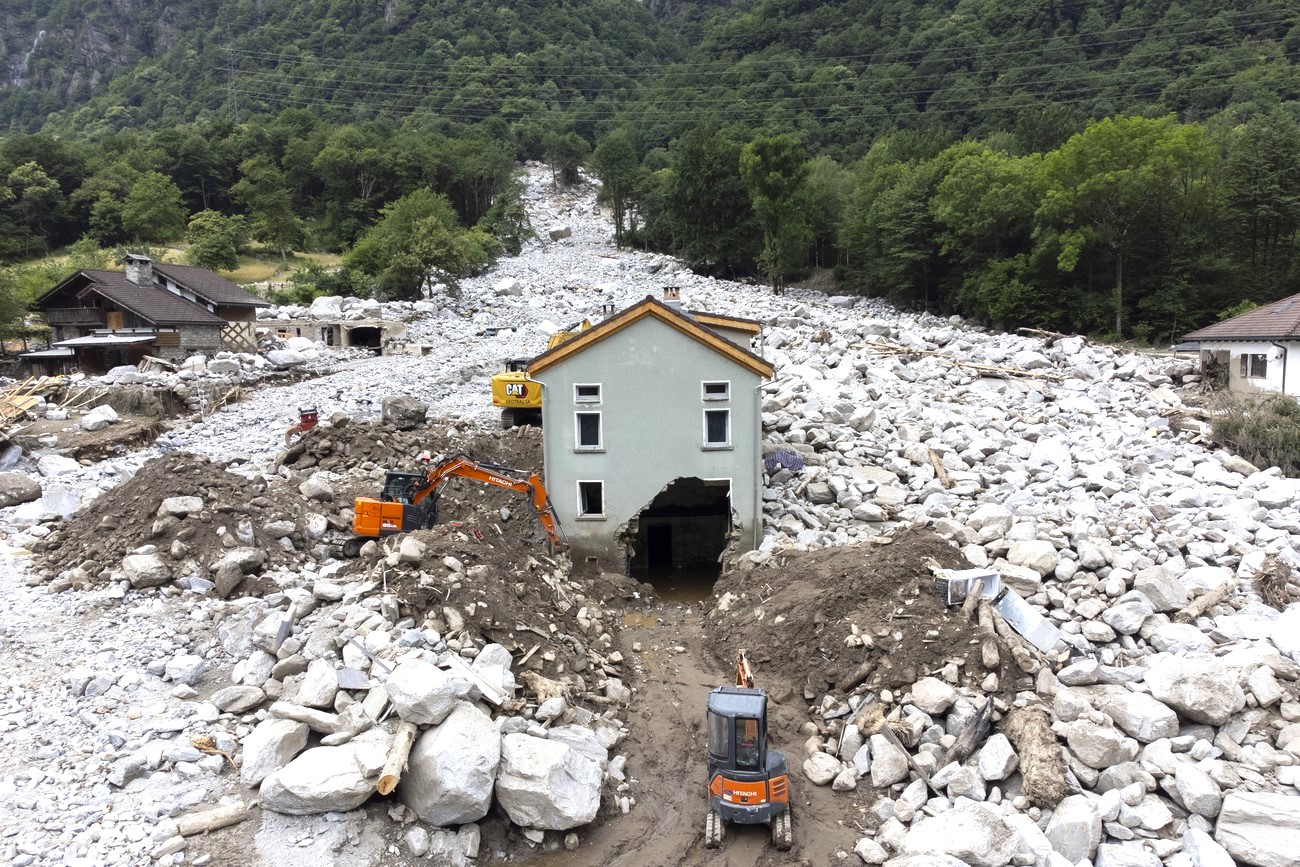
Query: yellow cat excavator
(748, 783)
(410, 500)
(520, 398)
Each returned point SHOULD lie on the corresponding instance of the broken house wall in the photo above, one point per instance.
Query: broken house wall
(652, 431)
(1282, 366)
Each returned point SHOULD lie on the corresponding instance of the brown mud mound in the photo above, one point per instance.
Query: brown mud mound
(508, 592)
(363, 450)
(358, 444)
(795, 615)
(126, 517)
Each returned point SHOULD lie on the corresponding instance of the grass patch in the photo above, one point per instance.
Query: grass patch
(264, 266)
(1263, 430)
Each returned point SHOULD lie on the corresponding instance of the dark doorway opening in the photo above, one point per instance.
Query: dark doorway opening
(366, 336)
(680, 537)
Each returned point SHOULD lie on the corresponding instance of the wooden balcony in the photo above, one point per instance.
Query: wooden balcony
(74, 315)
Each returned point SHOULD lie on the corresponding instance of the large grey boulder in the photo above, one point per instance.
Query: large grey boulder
(99, 418)
(180, 507)
(888, 762)
(145, 570)
(1165, 592)
(1260, 828)
(56, 465)
(452, 769)
(328, 779)
(319, 685)
(1126, 855)
(269, 747)
(17, 488)
(821, 768)
(1075, 828)
(1202, 689)
(282, 359)
(1197, 790)
(327, 307)
(421, 692)
(973, 832)
(1099, 746)
(1141, 716)
(404, 412)
(1204, 851)
(546, 785)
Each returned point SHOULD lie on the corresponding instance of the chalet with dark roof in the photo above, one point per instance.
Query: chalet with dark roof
(101, 319)
(1258, 350)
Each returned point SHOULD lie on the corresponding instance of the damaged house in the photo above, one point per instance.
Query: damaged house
(652, 437)
(101, 319)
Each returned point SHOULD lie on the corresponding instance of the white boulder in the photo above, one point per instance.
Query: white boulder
(328, 779)
(546, 785)
(452, 769)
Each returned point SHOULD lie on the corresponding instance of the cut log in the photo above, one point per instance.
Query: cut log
(972, 598)
(397, 756)
(989, 649)
(1018, 646)
(210, 820)
(1206, 601)
(862, 673)
(973, 733)
(1042, 766)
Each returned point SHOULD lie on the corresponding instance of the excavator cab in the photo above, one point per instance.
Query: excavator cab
(748, 783)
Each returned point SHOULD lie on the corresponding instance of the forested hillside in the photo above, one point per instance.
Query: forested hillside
(1121, 168)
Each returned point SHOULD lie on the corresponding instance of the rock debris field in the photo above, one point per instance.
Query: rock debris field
(192, 673)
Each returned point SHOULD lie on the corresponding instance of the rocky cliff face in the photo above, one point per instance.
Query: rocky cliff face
(67, 50)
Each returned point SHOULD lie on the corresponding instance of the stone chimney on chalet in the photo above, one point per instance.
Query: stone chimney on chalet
(673, 298)
(139, 269)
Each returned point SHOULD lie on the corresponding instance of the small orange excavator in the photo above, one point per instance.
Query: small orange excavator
(410, 500)
(748, 783)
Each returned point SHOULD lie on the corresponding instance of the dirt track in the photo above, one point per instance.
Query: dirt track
(666, 756)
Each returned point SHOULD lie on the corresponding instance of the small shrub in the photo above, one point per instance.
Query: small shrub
(1264, 431)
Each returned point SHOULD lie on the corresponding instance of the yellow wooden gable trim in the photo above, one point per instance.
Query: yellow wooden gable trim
(635, 314)
(718, 320)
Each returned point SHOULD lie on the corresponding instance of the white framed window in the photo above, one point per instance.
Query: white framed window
(1254, 366)
(587, 433)
(716, 390)
(591, 499)
(586, 392)
(717, 429)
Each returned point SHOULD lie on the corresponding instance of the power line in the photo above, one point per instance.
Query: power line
(1018, 101)
(929, 54)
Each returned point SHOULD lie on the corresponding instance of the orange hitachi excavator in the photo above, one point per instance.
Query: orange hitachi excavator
(410, 500)
(748, 783)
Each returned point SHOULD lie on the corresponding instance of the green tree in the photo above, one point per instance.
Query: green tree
(36, 200)
(416, 239)
(774, 169)
(262, 191)
(614, 162)
(709, 210)
(1111, 185)
(153, 211)
(215, 240)
(566, 152)
(1262, 185)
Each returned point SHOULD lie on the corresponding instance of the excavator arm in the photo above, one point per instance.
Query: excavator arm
(501, 476)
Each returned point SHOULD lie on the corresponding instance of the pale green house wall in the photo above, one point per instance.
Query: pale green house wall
(652, 415)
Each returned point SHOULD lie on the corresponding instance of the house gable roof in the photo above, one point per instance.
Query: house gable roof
(720, 320)
(148, 302)
(1277, 321)
(650, 308)
(209, 286)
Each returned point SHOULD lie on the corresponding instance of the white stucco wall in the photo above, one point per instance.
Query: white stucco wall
(1283, 366)
(652, 431)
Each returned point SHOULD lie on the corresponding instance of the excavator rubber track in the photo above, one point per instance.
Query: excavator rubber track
(783, 831)
(715, 830)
